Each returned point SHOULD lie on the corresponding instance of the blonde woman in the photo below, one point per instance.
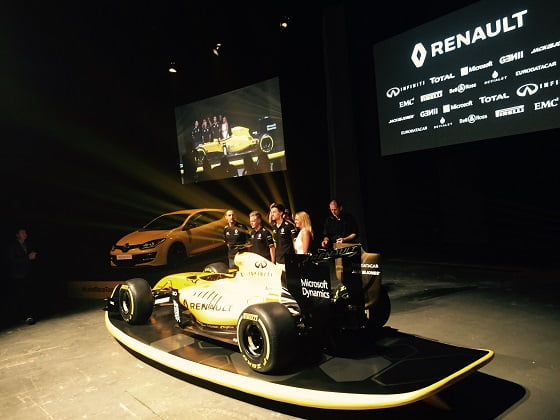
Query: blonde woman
(302, 243)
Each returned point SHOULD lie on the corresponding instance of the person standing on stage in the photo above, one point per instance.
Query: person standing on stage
(262, 242)
(340, 227)
(236, 236)
(284, 233)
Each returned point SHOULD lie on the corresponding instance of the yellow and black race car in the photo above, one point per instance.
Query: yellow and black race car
(241, 142)
(317, 302)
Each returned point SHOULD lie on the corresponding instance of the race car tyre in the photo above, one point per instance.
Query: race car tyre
(380, 311)
(199, 156)
(217, 267)
(266, 143)
(136, 301)
(266, 335)
(176, 255)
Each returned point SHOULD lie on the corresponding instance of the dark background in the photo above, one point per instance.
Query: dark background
(89, 141)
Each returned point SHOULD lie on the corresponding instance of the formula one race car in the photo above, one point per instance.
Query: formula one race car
(239, 143)
(269, 314)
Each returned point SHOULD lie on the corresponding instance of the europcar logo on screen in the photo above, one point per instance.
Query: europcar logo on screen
(468, 37)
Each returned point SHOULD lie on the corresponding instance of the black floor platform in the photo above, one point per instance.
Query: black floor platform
(387, 370)
(68, 366)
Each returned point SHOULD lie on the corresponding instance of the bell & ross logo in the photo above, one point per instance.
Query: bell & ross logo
(467, 38)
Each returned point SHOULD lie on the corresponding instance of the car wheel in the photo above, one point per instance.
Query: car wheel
(176, 256)
(136, 301)
(380, 311)
(217, 267)
(266, 335)
(266, 143)
(199, 156)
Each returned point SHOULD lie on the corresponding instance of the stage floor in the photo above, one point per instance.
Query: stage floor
(68, 366)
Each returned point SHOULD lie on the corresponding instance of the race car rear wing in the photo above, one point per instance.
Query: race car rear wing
(316, 280)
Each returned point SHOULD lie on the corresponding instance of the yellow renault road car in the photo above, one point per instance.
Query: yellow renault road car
(170, 239)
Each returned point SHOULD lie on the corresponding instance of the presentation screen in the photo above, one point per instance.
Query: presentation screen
(488, 70)
(234, 134)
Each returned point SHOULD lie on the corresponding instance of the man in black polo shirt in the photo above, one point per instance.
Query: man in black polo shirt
(236, 236)
(340, 227)
(284, 233)
(262, 242)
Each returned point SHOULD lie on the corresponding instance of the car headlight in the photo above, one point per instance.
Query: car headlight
(152, 244)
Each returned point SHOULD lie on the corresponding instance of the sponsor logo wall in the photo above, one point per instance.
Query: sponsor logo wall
(489, 70)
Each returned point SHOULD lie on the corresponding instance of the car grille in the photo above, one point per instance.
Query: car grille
(127, 247)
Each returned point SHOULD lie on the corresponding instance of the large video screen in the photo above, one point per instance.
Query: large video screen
(234, 134)
(486, 71)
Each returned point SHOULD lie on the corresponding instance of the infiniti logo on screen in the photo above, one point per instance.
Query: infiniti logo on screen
(528, 89)
(480, 33)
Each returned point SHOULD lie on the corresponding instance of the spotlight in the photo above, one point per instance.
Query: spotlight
(172, 67)
(216, 49)
(284, 22)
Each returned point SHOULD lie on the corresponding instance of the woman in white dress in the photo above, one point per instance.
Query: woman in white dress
(305, 234)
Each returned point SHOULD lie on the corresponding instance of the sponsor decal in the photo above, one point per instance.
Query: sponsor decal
(495, 78)
(429, 112)
(508, 58)
(408, 102)
(510, 111)
(493, 98)
(395, 91)
(465, 71)
(545, 47)
(413, 130)
(443, 124)
(452, 107)
(442, 78)
(550, 103)
(202, 306)
(469, 37)
(535, 68)
(432, 95)
(532, 88)
(462, 87)
(315, 289)
(471, 119)
(176, 310)
(367, 269)
(324, 254)
(250, 317)
(403, 118)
